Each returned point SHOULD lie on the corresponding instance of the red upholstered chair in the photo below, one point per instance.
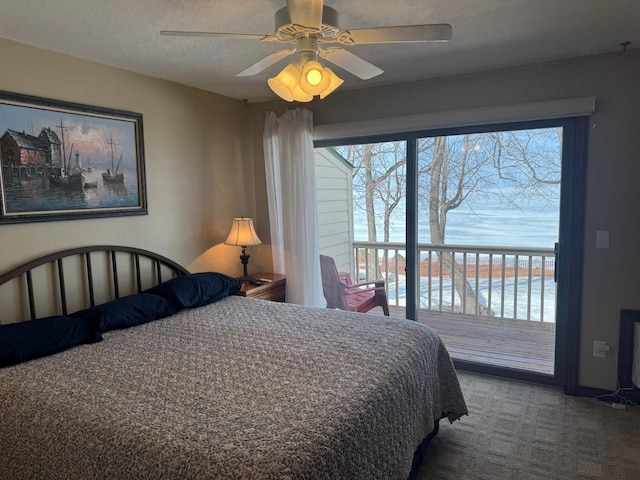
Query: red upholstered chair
(340, 292)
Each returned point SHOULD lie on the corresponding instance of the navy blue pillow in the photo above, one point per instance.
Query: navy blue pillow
(127, 312)
(197, 289)
(24, 341)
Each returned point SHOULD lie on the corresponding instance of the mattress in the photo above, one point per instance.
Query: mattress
(240, 389)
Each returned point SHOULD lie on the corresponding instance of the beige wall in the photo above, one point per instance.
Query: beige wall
(198, 162)
(611, 278)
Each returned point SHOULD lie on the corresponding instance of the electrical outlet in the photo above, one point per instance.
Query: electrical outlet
(600, 348)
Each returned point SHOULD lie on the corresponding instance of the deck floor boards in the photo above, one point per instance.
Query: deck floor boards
(500, 342)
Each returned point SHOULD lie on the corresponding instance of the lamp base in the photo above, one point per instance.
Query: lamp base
(244, 258)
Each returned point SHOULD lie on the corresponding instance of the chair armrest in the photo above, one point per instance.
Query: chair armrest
(345, 278)
(377, 283)
(353, 289)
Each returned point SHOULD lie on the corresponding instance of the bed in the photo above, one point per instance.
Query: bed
(239, 388)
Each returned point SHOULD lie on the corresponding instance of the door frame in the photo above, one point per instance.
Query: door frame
(570, 239)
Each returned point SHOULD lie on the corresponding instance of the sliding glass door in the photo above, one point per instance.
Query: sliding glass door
(371, 179)
(465, 225)
(488, 208)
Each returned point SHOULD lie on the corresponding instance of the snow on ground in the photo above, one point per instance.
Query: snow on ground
(397, 296)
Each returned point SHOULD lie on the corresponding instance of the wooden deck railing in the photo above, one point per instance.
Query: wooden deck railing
(503, 282)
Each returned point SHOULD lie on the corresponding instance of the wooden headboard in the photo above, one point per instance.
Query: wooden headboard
(69, 280)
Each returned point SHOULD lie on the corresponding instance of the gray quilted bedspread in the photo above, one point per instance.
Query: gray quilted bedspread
(242, 389)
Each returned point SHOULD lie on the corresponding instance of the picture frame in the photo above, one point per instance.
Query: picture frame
(64, 161)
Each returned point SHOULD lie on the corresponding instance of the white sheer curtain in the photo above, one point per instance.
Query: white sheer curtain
(291, 188)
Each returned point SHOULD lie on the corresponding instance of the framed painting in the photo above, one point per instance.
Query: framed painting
(63, 161)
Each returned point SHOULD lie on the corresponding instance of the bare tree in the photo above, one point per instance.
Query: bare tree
(379, 171)
(505, 165)
(508, 165)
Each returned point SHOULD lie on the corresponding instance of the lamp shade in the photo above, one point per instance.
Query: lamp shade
(242, 233)
(285, 83)
(334, 82)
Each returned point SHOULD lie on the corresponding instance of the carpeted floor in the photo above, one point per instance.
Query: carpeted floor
(520, 431)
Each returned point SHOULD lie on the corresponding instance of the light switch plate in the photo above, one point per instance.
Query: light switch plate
(602, 239)
(600, 348)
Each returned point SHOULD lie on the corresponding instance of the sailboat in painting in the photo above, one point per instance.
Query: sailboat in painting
(112, 175)
(68, 177)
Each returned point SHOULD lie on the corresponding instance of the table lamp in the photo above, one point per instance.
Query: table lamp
(243, 234)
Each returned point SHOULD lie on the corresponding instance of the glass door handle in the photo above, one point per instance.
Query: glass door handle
(556, 252)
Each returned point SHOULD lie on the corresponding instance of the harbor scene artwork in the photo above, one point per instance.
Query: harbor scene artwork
(68, 161)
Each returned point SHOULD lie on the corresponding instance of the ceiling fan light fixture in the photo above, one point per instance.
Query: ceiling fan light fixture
(284, 84)
(294, 83)
(309, 24)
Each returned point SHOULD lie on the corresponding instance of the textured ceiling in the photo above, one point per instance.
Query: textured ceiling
(487, 34)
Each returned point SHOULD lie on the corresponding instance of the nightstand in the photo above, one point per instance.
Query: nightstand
(273, 290)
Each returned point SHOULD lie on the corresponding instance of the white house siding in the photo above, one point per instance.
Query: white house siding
(335, 199)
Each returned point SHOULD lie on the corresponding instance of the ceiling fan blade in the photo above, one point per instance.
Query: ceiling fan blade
(440, 32)
(351, 62)
(307, 13)
(266, 62)
(178, 33)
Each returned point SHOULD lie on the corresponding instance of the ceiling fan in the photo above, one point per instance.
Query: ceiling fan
(313, 28)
